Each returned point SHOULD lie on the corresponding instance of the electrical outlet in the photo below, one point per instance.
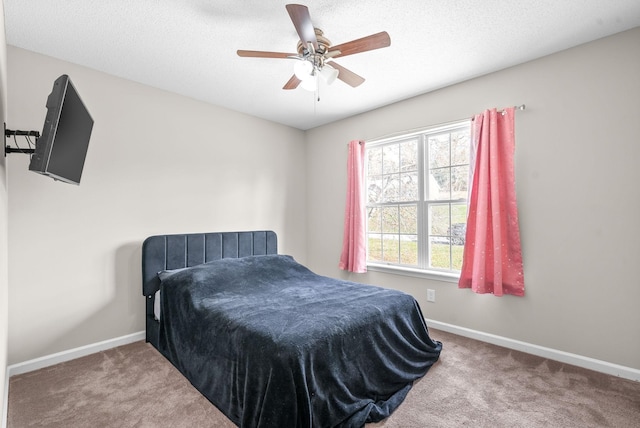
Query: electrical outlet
(431, 295)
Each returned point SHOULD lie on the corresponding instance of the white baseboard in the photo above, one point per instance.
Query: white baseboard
(71, 354)
(60, 357)
(541, 351)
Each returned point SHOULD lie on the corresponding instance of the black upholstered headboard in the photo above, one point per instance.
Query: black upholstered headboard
(162, 252)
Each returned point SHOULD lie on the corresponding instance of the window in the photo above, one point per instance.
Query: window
(417, 189)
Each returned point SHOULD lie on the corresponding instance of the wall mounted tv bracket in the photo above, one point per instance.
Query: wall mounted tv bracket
(11, 133)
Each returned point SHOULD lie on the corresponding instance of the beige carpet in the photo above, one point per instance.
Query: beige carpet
(474, 385)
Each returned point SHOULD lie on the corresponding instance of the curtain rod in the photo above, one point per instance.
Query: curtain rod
(422, 128)
(520, 107)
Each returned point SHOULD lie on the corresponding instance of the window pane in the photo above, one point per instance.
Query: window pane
(374, 220)
(409, 250)
(374, 161)
(459, 182)
(457, 233)
(409, 187)
(409, 219)
(443, 180)
(439, 151)
(458, 229)
(390, 158)
(460, 147)
(374, 189)
(456, 256)
(391, 188)
(409, 156)
(390, 248)
(459, 213)
(433, 189)
(439, 255)
(374, 251)
(390, 222)
(439, 221)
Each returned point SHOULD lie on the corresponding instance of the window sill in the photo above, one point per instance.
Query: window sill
(418, 273)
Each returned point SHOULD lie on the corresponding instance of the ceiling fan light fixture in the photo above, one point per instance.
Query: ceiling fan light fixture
(329, 74)
(309, 84)
(303, 70)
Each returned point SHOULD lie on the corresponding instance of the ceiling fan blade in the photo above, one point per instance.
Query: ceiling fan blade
(292, 83)
(369, 43)
(347, 76)
(302, 21)
(264, 54)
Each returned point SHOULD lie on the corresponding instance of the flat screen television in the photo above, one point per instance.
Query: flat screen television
(61, 150)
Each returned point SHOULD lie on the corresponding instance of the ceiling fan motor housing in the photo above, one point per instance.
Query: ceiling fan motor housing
(323, 44)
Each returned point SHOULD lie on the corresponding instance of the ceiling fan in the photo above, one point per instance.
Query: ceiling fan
(315, 54)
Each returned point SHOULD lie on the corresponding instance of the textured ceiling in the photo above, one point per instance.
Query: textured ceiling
(189, 46)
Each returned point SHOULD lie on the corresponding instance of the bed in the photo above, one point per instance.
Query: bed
(272, 344)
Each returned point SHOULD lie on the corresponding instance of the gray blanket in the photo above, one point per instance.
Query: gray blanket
(272, 344)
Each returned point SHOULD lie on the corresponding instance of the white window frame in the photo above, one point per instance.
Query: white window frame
(446, 275)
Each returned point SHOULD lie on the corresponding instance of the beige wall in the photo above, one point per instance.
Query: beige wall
(577, 172)
(4, 298)
(157, 163)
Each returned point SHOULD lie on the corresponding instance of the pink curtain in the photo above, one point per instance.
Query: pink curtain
(492, 253)
(354, 257)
